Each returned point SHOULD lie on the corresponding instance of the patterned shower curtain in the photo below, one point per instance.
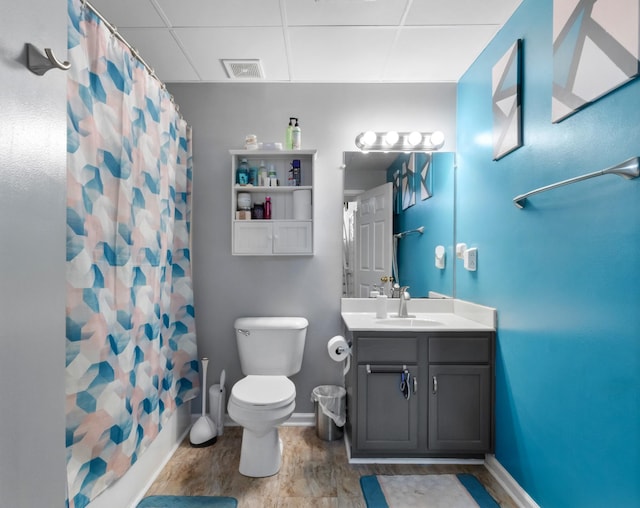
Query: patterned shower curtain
(131, 344)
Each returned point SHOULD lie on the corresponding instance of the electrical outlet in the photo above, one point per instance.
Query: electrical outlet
(471, 259)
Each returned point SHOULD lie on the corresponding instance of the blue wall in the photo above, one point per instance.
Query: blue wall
(416, 253)
(564, 274)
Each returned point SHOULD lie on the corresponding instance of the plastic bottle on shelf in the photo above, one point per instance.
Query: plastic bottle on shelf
(296, 136)
(262, 175)
(272, 176)
(242, 173)
(289, 137)
(267, 207)
(291, 179)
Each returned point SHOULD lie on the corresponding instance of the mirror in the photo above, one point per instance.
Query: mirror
(377, 212)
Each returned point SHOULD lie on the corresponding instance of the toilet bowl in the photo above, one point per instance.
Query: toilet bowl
(259, 404)
(270, 349)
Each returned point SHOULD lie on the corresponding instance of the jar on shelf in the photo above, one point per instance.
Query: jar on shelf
(257, 212)
(242, 173)
(244, 201)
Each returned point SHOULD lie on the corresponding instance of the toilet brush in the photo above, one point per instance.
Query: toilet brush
(203, 432)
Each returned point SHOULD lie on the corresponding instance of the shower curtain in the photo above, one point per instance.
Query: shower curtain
(130, 334)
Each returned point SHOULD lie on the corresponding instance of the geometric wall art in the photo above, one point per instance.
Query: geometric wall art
(423, 162)
(596, 46)
(506, 99)
(408, 185)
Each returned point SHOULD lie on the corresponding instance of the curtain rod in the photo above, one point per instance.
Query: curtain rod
(134, 51)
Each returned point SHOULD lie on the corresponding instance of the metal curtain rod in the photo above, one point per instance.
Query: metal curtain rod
(628, 169)
(405, 233)
(133, 50)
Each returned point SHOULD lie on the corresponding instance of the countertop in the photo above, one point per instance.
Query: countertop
(428, 314)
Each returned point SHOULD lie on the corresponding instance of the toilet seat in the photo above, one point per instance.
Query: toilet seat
(255, 391)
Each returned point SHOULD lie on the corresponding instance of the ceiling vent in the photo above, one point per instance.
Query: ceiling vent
(243, 69)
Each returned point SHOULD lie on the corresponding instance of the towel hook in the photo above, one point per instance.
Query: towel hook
(39, 63)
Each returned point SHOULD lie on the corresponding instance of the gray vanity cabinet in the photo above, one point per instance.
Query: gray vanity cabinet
(460, 393)
(387, 418)
(448, 410)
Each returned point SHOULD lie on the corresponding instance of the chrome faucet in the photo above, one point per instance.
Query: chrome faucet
(404, 298)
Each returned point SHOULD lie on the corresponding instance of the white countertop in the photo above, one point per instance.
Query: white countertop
(428, 314)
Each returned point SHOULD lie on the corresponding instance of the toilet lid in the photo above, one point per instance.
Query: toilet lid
(274, 391)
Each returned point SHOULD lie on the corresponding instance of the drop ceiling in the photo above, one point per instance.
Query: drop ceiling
(310, 41)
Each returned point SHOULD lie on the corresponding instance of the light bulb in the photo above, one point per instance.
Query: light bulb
(369, 138)
(414, 138)
(437, 138)
(391, 138)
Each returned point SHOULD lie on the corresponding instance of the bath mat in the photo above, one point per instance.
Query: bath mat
(188, 502)
(428, 491)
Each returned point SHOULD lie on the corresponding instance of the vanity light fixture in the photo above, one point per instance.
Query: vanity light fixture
(393, 141)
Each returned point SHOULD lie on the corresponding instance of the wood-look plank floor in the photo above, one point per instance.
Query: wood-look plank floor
(314, 473)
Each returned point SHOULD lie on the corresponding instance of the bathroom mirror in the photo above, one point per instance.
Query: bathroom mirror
(376, 213)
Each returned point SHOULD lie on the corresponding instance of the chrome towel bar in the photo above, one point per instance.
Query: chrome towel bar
(628, 169)
(385, 369)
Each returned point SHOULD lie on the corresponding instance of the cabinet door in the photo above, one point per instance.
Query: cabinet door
(459, 408)
(252, 237)
(386, 421)
(292, 237)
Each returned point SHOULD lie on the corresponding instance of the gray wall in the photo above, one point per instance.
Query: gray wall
(32, 258)
(331, 115)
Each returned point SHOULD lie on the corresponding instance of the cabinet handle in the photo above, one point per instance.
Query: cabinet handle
(415, 385)
(435, 385)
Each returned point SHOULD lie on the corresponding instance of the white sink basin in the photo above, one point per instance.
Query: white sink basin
(408, 322)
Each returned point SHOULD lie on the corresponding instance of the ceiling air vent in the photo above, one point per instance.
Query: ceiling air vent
(243, 69)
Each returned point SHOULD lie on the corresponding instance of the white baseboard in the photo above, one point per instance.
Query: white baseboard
(508, 483)
(296, 420)
(130, 489)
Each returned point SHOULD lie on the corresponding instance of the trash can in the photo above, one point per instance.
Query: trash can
(330, 411)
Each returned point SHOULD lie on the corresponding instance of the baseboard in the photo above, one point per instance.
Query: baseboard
(131, 488)
(301, 420)
(508, 483)
(296, 420)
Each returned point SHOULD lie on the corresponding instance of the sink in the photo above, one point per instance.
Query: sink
(408, 322)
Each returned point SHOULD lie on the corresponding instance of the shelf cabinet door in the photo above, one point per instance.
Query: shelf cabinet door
(386, 421)
(252, 237)
(459, 408)
(292, 238)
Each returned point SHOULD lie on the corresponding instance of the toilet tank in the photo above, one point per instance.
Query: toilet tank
(271, 346)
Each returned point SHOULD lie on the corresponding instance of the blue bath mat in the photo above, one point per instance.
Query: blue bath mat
(437, 491)
(188, 502)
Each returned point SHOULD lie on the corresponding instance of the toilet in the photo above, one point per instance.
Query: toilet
(270, 350)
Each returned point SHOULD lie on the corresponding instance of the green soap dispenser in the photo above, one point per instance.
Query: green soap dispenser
(296, 136)
(289, 138)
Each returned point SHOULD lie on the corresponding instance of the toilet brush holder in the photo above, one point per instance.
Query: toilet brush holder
(217, 399)
(203, 432)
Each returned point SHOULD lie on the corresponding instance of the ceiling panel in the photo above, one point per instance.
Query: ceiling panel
(460, 12)
(160, 50)
(334, 54)
(213, 13)
(125, 13)
(206, 46)
(436, 53)
(344, 12)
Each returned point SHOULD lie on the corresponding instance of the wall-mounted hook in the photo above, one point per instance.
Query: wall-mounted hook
(39, 63)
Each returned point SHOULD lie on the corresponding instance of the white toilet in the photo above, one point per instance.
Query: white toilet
(270, 349)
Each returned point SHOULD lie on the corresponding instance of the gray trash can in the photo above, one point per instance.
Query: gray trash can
(330, 411)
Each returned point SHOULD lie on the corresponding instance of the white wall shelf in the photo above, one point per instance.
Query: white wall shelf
(287, 233)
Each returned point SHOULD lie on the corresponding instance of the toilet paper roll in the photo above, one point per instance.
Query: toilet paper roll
(302, 204)
(338, 348)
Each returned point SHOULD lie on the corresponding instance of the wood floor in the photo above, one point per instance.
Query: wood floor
(314, 473)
